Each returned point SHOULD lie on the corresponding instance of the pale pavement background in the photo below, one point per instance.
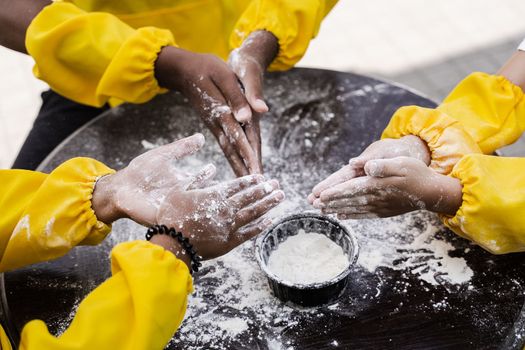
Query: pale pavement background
(428, 45)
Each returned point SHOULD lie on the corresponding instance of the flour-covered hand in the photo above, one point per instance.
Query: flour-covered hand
(407, 146)
(213, 89)
(220, 217)
(153, 190)
(249, 62)
(391, 187)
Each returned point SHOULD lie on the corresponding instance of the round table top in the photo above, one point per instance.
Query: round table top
(416, 285)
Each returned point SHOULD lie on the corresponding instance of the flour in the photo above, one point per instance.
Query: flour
(307, 258)
(397, 243)
(21, 226)
(233, 287)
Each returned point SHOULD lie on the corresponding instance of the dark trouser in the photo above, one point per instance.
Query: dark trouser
(58, 118)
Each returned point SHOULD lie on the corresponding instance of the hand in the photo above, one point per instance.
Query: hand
(212, 87)
(151, 190)
(219, 218)
(249, 62)
(392, 187)
(407, 146)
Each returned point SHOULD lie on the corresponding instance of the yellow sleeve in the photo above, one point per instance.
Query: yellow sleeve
(293, 22)
(139, 307)
(94, 57)
(490, 108)
(446, 138)
(492, 212)
(44, 216)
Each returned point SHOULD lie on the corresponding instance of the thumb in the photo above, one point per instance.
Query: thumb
(181, 148)
(385, 168)
(253, 85)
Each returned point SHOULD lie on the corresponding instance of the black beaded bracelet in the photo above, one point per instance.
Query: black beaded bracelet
(183, 241)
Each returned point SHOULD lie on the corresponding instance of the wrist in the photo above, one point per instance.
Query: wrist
(103, 200)
(418, 148)
(172, 245)
(166, 68)
(262, 46)
(449, 195)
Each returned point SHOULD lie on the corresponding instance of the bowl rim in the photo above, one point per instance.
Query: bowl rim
(317, 285)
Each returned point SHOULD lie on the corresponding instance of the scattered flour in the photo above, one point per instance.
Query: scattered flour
(307, 258)
(409, 242)
(234, 288)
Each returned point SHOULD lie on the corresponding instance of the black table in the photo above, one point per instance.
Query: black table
(318, 119)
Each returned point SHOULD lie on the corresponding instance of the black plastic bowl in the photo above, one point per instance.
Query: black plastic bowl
(314, 293)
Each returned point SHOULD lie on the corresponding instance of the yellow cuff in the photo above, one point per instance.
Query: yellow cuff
(446, 138)
(130, 77)
(493, 201)
(294, 24)
(59, 216)
(93, 58)
(489, 107)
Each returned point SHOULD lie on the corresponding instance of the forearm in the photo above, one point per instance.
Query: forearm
(93, 58)
(15, 17)
(446, 195)
(44, 216)
(514, 69)
(142, 304)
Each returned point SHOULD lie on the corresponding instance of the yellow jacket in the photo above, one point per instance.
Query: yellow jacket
(43, 217)
(95, 51)
(483, 113)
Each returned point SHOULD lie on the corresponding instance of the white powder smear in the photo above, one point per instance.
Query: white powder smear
(307, 258)
(409, 242)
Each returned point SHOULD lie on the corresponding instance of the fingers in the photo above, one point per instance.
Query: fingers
(253, 134)
(229, 133)
(351, 210)
(230, 88)
(253, 194)
(230, 188)
(236, 162)
(179, 149)
(357, 216)
(205, 175)
(344, 174)
(237, 137)
(258, 209)
(354, 187)
(348, 201)
(385, 167)
(245, 233)
(253, 85)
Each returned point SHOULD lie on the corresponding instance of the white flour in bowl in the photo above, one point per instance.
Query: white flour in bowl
(307, 258)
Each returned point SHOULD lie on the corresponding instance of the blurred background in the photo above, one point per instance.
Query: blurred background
(426, 45)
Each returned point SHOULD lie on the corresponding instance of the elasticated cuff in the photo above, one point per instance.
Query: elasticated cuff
(130, 77)
(446, 138)
(294, 24)
(489, 107)
(59, 217)
(491, 213)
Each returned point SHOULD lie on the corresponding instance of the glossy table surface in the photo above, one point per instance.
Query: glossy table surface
(318, 120)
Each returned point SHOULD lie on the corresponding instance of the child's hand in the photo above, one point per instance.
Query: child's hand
(392, 187)
(151, 190)
(407, 146)
(249, 62)
(219, 218)
(212, 87)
